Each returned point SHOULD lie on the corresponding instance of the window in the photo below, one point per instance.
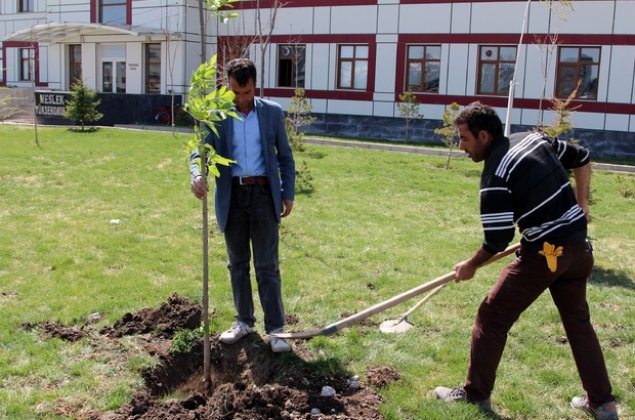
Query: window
(495, 69)
(113, 76)
(74, 63)
(423, 63)
(352, 64)
(113, 11)
(578, 64)
(27, 61)
(1, 66)
(25, 6)
(291, 65)
(153, 68)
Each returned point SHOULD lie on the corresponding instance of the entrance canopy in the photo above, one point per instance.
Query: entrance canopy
(52, 33)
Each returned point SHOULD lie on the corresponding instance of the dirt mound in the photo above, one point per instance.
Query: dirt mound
(177, 313)
(248, 381)
(380, 376)
(50, 329)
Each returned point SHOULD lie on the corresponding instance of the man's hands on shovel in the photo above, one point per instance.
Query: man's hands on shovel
(465, 270)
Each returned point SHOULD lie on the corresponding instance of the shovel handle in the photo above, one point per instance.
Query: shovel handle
(418, 304)
(360, 316)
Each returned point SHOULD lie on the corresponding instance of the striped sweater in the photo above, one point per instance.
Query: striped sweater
(524, 183)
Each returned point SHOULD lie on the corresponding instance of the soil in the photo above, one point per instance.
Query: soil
(247, 380)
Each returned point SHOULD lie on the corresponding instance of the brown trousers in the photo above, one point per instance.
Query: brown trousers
(520, 284)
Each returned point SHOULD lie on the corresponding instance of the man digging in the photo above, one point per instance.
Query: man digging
(526, 184)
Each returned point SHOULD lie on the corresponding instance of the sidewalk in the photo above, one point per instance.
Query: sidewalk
(422, 150)
(399, 148)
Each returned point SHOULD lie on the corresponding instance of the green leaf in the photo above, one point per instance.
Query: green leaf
(220, 160)
(214, 171)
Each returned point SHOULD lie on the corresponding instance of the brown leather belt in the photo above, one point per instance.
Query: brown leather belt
(250, 180)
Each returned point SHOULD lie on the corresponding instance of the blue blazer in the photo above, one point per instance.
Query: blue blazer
(279, 163)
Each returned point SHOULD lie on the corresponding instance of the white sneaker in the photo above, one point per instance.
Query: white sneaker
(279, 345)
(237, 331)
(606, 411)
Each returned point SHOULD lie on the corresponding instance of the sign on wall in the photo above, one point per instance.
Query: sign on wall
(51, 104)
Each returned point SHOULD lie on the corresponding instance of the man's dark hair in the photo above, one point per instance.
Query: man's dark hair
(241, 70)
(479, 117)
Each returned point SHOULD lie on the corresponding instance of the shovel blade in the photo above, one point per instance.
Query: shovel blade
(395, 326)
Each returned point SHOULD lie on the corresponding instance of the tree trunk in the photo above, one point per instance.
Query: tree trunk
(205, 300)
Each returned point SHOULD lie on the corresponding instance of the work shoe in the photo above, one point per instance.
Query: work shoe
(606, 411)
(279, 345)
(237, 331)
(458, 394)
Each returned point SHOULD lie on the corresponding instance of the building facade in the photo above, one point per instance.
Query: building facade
(353, 57)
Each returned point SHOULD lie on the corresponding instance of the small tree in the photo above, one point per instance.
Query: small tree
(208, 104)
(409, 110)
(562, 124)
(82, 107)
(448, 131)
(298, 115)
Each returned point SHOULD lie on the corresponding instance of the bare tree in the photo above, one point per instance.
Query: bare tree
(557, 6)
(546, 48)
(171, 59)
(409, 110)
(448, 131)
(8, 105)
(264, 36)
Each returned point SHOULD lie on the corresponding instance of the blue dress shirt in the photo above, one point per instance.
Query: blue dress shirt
(247, 147)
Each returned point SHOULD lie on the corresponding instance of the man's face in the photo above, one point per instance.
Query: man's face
(244, 99)
(475, 147)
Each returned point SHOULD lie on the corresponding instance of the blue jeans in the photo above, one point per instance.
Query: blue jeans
(252, 224)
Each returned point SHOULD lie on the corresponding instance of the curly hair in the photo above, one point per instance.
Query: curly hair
(480, 117)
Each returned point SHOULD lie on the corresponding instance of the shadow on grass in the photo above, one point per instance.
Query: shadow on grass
(314, 154)
(611, 278)
(87, 129)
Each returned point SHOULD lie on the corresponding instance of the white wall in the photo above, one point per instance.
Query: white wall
(624, 16)
(619, 77)
(424, 18)
(388, 21)
(89, 72)
(588, 17)
(503, 17)
(319, 80)
(135, 67)
(363, 17)
(341, 106)
(294, 21)
(322, 20)
(386, 63)
(457, 63)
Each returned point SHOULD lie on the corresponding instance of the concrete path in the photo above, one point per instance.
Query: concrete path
(438, 152)
(391, 147)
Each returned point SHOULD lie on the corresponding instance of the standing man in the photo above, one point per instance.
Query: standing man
(250, 198)
(526, 184)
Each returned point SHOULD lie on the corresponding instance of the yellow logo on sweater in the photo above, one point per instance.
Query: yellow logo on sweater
(551, 253)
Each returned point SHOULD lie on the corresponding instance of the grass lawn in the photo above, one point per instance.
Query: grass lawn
(377, 224)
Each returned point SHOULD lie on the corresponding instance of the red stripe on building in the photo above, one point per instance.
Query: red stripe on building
(529, 39)
(264, 4)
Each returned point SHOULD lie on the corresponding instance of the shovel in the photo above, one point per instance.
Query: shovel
(382, 306)
(402, 324)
